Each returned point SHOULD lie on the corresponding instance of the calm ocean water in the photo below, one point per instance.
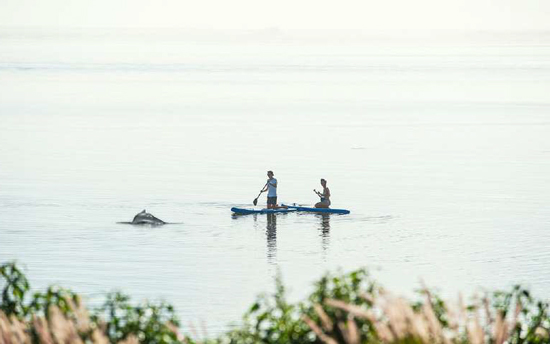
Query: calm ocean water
(441, 152)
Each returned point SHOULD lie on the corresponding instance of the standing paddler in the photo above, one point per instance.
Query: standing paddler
(271, 188)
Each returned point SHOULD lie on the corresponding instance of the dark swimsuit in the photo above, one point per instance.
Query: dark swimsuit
(324, 200)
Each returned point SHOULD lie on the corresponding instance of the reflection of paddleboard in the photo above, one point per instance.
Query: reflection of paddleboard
(260, 211)
(318, 210)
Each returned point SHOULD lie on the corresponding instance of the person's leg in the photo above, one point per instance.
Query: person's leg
(322, 205)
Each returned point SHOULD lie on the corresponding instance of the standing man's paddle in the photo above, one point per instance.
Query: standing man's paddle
(256, 199)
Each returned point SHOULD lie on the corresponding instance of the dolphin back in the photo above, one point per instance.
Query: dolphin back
(146, 218)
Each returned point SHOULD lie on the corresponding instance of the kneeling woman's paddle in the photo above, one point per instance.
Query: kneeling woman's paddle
(256, 199)
(318, 193)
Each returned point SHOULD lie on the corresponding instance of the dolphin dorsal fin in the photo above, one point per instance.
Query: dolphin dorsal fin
(143, 211)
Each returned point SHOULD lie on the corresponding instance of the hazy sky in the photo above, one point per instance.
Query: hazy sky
(283, 14)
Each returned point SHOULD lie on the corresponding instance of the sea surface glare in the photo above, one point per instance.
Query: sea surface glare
(440, 150)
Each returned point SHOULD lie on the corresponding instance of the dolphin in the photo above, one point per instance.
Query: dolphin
(144, 218)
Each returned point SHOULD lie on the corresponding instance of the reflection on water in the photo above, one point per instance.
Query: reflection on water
(324, 227)
(271, 234)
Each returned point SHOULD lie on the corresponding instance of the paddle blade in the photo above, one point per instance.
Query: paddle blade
(255, 201)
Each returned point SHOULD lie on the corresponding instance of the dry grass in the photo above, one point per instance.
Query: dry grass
(56, 328)
(391, 320)
(395, 321)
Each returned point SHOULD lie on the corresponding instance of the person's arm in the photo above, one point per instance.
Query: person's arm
(274, 184)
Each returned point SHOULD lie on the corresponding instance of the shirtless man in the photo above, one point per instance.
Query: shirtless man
(325, 196)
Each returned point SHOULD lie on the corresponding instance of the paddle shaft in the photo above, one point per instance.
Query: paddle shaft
(318, 193)
(256, 199)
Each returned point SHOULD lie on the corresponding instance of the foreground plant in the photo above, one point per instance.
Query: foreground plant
(147, 322)
(58, 315)
(347, 308)
(497, 318)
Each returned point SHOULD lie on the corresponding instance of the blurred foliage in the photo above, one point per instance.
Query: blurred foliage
(54, 296)
(150, 323)
(271, 319)
(15, 287)
(342, 308)
(533, 324)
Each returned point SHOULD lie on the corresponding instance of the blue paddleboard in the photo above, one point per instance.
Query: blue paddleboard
(244, 211)
(318, 210)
